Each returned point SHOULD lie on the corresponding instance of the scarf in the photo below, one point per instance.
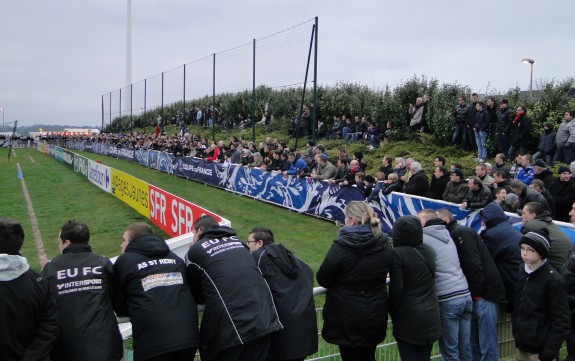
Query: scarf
(517, 116)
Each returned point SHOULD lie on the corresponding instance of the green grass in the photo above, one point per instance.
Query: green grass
(59, 194)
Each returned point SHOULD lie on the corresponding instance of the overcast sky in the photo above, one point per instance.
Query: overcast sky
(57, 58)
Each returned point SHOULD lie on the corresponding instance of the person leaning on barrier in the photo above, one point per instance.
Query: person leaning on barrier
(81, 283)
(457, 188)
(28, 319)
(291, 283)
(354, 272)
(150, 287)
(240, 315)
(413, 304)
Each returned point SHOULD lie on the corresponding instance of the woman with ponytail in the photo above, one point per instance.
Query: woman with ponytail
(354, 272)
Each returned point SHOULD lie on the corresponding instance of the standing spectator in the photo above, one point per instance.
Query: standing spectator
(28, 317)
(455, 304)
(354, 272)
(503, 127)
(535, 217)
(563, 191)
(470, 121)
(457, 187)
(413, 305)
(482, 120)
(291, 283)
(478, 196)
(424, 116)
(239, 315)
(439, 182)
(416, 114)
(546, 147)
(485, 285)
(568, 273)
(418, 183)
(460, 114)
(520, 130)
(150, 287)
(501, 240)
(541, 318)
(67, 274)
(565, 139)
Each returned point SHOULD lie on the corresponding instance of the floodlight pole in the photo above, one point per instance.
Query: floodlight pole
(530, 62)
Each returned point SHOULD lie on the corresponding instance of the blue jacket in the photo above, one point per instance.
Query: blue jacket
(525, 175)
(502, 242)
(297, 167)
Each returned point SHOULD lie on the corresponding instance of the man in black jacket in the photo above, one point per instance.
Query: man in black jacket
(485, 285)
(240, 314)
(28, 323)
(150, 287)
(291, 283)
(81, 283)
(478, 196)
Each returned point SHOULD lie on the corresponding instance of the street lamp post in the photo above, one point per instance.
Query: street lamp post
(530, 62)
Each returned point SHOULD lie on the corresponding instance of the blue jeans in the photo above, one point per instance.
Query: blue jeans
(454, 341)
(345, 132)
(484, 331)
(374, 140)
(481, 141)
(457, 133)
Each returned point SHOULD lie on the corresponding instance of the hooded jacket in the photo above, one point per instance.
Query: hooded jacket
(28, 321)
(564, 195)
(541, 319)
(81, 283)
(450, 282)
(291, 282)
(560, 243)
(502, 242)
(238, 302)
(150, 286)
(354, 272)
(438, 186)
(413, 304)
(477, 264)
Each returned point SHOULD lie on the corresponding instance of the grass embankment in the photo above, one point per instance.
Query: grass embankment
(59, 194)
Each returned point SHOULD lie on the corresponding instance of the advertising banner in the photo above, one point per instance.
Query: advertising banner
(81, 164)
(99, 175)
(172, 214)
(130, 190)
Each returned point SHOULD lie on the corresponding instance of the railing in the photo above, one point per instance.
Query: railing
(387, 350)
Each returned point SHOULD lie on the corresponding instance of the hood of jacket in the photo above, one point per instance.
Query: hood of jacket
(492, 215)
(283, 259)
(218, 232)
(544, 217)
(12, 267)
(360, 239)
(407, 231)
(436, 228)
(152, 246)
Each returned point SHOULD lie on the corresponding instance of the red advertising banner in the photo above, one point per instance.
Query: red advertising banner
(172, 214)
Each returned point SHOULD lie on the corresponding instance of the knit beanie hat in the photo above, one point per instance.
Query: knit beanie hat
(563, 170)
(539, 240)
(510, 198)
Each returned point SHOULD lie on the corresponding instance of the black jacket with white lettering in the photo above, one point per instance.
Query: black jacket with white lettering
(239, 307)
(291, 283)
(81, 283)
(150, 286)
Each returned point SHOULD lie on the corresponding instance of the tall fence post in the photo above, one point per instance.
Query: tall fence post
(162, 109)
(213, 99)
(131, 109)
(254, 93)
(145, 99)
(184, 103)
(119, 111)
(304, 86)
(314, 115)
(102, 113)
(110, 107)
